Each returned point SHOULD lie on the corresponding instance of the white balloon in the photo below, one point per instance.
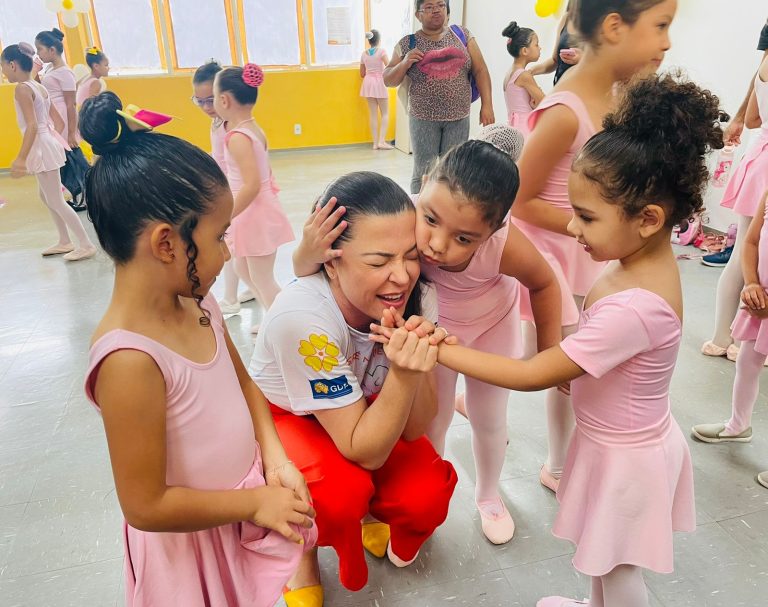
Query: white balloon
(70, 18)
(53, 5)
(81, 6)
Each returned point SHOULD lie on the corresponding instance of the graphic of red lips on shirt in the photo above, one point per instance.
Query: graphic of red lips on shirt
(442, 64)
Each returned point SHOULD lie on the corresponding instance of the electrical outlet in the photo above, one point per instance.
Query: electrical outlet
(297, 129)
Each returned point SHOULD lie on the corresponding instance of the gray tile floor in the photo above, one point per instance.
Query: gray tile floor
(60, 522)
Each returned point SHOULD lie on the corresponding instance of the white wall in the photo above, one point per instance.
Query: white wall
(716, 46)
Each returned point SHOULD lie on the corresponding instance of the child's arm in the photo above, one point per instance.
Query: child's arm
(321, 230)
(753, 294)
(528, 82)
(58, 123)
(94, 89)
(522, 261)
(545, 370)
(362, 69)
(23, 96)
(752, 118)
(131, 393)
(241, 149)
(278, 469)
(69, 99)
(550, 140)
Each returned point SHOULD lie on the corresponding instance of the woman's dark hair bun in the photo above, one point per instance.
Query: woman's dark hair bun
(101, 125)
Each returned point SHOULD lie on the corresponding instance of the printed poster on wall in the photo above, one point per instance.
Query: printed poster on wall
(339, 25)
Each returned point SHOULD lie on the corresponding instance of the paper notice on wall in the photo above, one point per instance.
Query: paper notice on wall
(339, 24)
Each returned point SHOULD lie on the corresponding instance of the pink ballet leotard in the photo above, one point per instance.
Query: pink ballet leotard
(218, 144)
(746, 327)
(47, 152)
(84, 89)
(575, 269)
(749, 181)
(210, 446)
(373, 82)
(518, 103)
(60, 80)
(628, 480)
(262, 227)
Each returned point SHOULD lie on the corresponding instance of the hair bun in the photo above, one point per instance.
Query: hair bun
(57, 33)
(27, 49)
(101, 125)
(511, 30)
(369, 35)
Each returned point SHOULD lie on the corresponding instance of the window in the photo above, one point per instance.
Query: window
(199, 31)
(128, 32)
(272, 34)
(393, 19)
(338, 31)
(19, 24)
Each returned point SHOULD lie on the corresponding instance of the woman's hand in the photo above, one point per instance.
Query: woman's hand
(287, 475)
(392, 320)
(18, 168)
(413, 56)
(570, 56)
(278, 508)
(486, 115)
(753, 296)
(321, 230)
(408, 352)
(72, 140)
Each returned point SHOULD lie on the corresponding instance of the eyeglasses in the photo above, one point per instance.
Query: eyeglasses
(202, 102)
(437, 8)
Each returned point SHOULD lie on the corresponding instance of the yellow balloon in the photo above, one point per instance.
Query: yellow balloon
(547, 8)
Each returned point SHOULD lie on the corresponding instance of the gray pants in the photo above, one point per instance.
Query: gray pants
(433, 138)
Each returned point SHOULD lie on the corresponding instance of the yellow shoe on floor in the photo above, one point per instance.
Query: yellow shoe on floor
(309, 596)
(376, 538)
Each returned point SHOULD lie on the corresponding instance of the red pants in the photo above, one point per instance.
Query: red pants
(410, 492)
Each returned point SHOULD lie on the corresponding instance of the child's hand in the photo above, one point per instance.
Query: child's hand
(761, 313)
(416, 324)
(320, 232)
(18, 168)
(287, 475)
(753, 296)
(408, 352)
(279, 508)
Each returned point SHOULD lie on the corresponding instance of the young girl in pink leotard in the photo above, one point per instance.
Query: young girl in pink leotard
(259, 224)
(621, 39)
(628, 479)
(215, 513)
(478, 261)
(521, 92)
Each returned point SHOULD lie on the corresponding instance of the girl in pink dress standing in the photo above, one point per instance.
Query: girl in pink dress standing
(215, 512)
(93, 83)
(372, 64)
(521, 92)
(621, 39)
(42, 151)
(259, 224)
(628, 480)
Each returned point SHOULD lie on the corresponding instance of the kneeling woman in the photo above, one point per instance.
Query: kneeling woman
(351, 414)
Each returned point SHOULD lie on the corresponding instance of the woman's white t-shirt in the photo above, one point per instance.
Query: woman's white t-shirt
(307, 358)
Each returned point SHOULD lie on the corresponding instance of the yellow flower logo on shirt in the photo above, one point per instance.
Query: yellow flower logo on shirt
(319, 353)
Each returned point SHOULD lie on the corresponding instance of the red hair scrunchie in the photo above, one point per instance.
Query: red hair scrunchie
(253, 75)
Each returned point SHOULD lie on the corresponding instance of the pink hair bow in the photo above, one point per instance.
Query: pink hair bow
(253, 75)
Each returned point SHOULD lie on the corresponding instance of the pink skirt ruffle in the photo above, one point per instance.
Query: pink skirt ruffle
(746, 327)
(47, 153)
(237, 564)
(749, 181)
(263, 227)
(373, 86)
(622, 496)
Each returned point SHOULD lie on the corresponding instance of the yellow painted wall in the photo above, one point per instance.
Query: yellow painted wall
(326, 103)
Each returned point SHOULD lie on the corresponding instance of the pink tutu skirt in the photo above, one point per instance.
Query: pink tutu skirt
(746, 327)
(373, 86)
(262, 227)
(519, 121)
(750, 179)
(47, 153)
(575, 270)
(237, 564)
(622, 496)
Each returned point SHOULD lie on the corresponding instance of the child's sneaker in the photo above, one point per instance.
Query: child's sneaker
(762, 478)
(717, 260)
(714, 433)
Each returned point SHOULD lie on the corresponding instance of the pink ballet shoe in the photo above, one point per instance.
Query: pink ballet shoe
(712, 349)
(460, 405)
(58, 249)
(255, 329)
(396, 560)
(732, 352)
(559, 601)
(383, 145)
(497, 522)
(80, 254)
(549, 480)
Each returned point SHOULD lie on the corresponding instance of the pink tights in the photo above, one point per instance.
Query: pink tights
(749, 364)
(64, 218)
(622, 587)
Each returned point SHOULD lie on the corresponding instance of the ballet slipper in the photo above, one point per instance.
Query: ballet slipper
(712, 349)
(549, 480)
(762, 478)
(732, 352)
(396, 560)
(80, 253)
(376, 538)
(383, 145)
(309, 596)
(497, 522)
(460, 404)
(58, 249)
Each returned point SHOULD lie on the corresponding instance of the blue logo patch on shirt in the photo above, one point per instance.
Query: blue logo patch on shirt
(330, 388)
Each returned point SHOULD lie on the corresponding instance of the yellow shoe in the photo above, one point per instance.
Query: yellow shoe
(376, 538)
(309, 596)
